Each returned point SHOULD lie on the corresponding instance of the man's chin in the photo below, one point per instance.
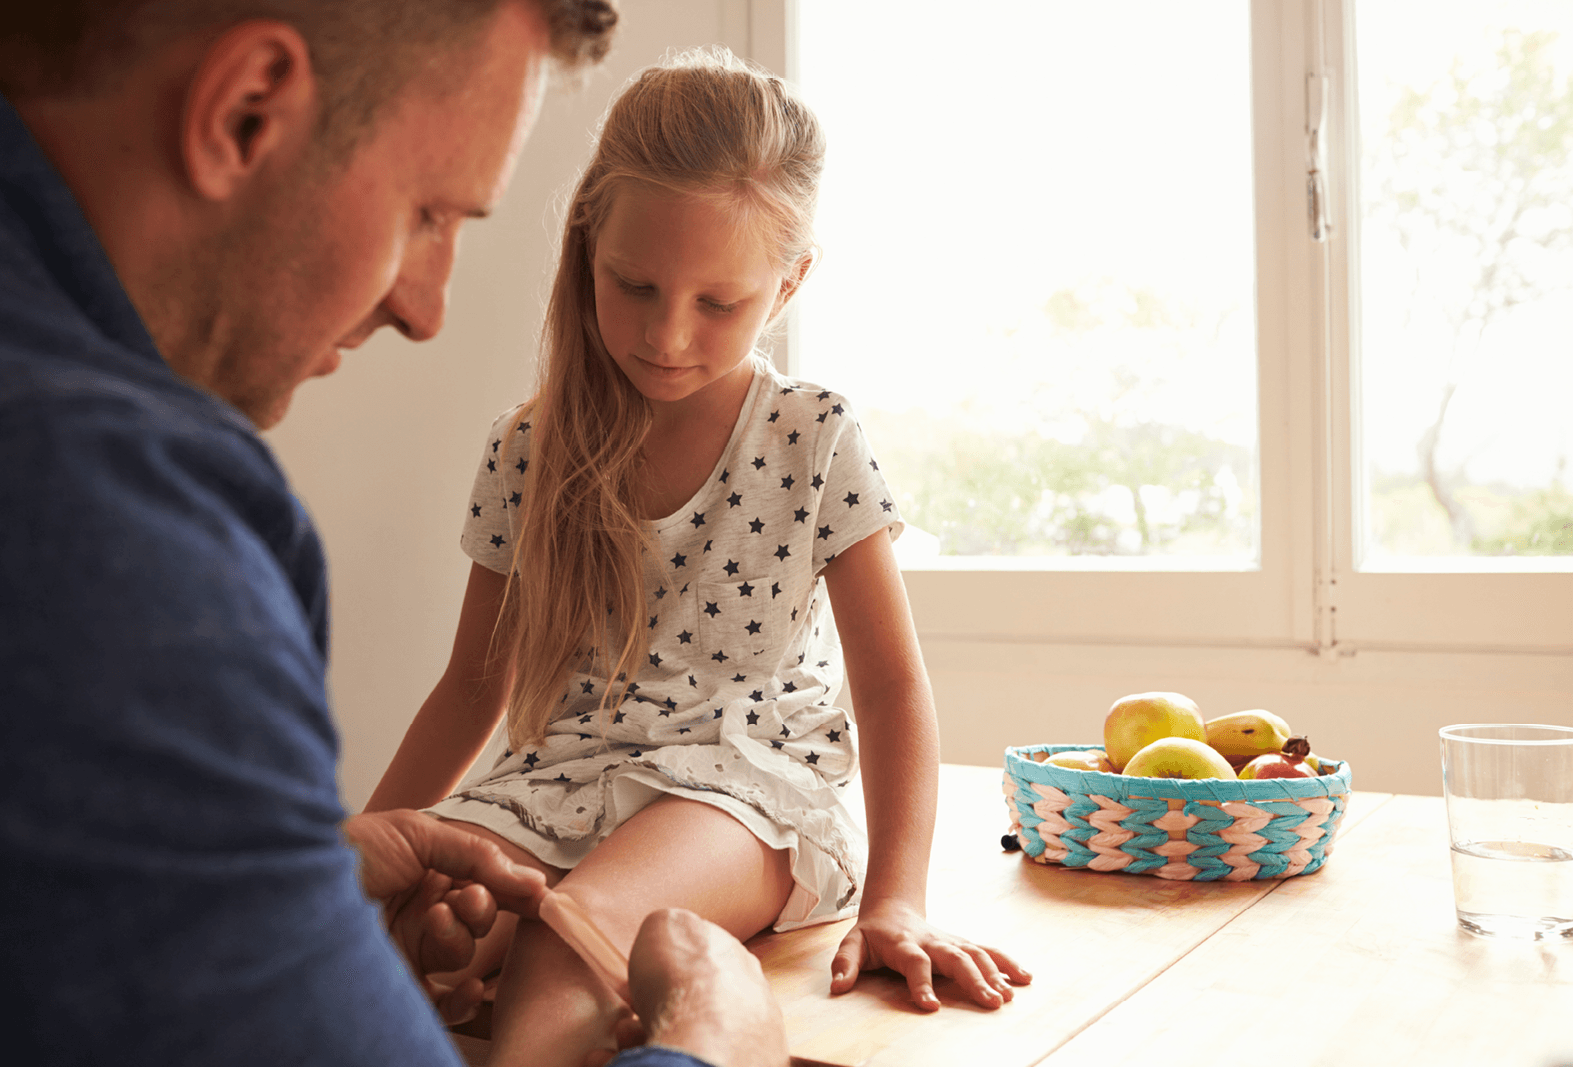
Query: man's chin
(266, 413)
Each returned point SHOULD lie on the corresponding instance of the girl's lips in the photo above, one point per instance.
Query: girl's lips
(659, 370)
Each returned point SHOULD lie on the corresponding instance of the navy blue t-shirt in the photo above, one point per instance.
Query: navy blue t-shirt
(175, 890)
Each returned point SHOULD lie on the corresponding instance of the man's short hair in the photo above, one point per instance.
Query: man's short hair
(363, 51)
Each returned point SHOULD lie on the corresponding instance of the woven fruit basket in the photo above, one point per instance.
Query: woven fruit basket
(1205, 829)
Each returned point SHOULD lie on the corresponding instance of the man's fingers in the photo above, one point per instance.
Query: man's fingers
(464, 856)
(848, 962)
(474, 906)
(457, 1005)
(628, 1031)
(446, 944)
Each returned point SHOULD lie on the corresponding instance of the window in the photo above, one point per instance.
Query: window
(1465, 283)
(1057, 354)
(1074, 283)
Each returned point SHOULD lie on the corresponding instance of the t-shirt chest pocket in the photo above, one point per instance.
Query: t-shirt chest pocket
(744, 618)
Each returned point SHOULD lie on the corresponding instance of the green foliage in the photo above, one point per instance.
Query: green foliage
(994, 493)
(1478, 163)
(1538, 524)
(1475, 176)
(1406, 519)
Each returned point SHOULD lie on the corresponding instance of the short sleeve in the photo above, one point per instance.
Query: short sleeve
(492, 520)
(854, 500)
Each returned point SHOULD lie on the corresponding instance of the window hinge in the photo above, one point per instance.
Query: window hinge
(1316, 156)
(1327, 644)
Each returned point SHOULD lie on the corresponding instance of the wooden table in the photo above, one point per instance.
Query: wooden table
(1361, 963)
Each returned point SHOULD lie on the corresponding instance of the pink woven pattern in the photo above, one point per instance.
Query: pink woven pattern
(1241, 835)
(1110, 836)
(1048, 809)
(1245, 840)
(1176, 822)
(1010, 802)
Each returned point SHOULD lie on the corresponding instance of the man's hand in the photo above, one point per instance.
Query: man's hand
(696, 988)
(440, 889)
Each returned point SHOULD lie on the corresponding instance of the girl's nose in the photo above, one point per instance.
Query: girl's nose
(667, 330)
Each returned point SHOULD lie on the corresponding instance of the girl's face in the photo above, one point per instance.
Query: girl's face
(682, 291)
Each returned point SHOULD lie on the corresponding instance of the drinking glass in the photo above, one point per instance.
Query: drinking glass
(1509, 792)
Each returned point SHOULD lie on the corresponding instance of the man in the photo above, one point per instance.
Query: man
(202, 204)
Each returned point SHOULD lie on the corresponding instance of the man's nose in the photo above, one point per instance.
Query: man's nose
(418, 301)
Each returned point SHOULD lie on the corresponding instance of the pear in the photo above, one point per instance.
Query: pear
(1136, 721)
(1091, 759)
(1247, 733)
(1178, 757)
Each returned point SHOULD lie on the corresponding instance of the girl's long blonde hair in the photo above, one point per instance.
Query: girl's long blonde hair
(702, 124)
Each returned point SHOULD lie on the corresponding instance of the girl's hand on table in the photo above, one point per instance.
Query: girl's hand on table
(896, 935)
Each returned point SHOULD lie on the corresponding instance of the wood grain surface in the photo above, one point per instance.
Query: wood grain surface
(1360, 964)
(1090, 939)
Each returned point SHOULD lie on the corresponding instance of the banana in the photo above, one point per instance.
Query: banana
(1247, 733)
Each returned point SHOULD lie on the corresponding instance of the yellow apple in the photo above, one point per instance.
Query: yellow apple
(1136, 721)
(1178, 757)
(1091, 759)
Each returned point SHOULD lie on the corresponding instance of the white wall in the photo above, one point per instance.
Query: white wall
(384, 451)
(1378, 709)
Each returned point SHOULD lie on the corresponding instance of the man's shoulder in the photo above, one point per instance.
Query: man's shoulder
(56, 408)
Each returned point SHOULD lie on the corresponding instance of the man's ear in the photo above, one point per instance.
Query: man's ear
(253, 93)
(794, 279)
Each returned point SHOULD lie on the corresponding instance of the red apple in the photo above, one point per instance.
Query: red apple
(1290, 763)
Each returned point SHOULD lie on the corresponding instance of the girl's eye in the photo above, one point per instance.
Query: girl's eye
(719, 308)
(631, 289)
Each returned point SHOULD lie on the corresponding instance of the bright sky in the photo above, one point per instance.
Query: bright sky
(983, 158)
(1005, 153)
(1512, 417)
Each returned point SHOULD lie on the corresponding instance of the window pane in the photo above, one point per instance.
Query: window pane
(1038, 278)
(1466, 290)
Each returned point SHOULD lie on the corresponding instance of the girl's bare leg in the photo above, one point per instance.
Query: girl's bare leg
(676, 853)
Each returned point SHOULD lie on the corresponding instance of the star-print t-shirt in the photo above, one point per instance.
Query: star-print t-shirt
(743, 651)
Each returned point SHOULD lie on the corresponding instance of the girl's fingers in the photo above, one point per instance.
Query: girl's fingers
(990, 972)
(956, 964)
(915, 965)
(1012, 970)
(847, 963)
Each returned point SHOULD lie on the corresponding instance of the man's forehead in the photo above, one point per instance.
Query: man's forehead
(458, 136)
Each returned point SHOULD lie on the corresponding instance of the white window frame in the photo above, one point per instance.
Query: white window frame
(1309, 591)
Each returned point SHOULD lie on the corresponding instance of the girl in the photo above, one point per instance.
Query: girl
(658, 537)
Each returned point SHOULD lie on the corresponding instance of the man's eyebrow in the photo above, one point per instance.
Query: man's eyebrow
(478, 213)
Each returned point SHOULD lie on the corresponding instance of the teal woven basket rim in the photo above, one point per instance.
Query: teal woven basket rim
(1123, 786)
